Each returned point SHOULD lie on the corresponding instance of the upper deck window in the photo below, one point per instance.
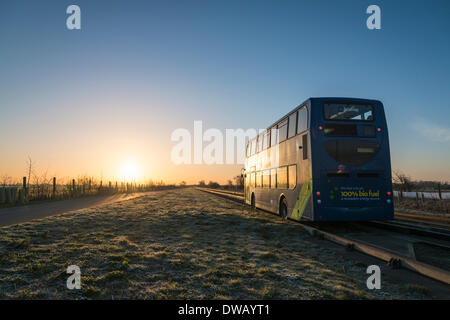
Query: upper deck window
(292, 124)
(273, 136)
(302, 120)
(282, 130)
(260, 142)
(348, 112)
(253, 147)
(266, 138)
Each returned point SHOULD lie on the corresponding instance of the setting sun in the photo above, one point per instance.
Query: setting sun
(129, 171)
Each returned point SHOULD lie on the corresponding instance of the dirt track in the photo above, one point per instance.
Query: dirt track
(13, 215)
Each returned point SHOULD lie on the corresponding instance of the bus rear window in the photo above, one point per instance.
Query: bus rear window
(351, 152)
(348, 112)
(340, 130)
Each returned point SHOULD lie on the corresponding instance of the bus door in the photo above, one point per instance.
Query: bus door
(304, 177)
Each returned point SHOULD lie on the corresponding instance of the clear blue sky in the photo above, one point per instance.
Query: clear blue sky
(137, 70)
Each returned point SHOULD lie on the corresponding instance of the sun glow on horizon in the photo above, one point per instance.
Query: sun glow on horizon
(129, 171)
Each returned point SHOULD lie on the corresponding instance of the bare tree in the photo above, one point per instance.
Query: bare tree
(6, 180)
(405, 182)
(29, 167)
(239, 181)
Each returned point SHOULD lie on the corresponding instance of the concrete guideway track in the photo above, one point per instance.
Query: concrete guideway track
(367, 246)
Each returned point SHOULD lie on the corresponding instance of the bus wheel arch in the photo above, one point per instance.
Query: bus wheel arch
(282, 207)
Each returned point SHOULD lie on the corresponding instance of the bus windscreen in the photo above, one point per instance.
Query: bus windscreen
(348, 112)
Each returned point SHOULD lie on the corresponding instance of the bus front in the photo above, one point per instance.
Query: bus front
(350, 160)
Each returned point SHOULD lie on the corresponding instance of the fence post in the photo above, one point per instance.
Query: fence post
(54, 188)
(439, 191)
(21, 197)
(73, 186)
(24, 184)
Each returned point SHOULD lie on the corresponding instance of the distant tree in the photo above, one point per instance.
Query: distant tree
(239, 181)
(183, 184)
(161, 183)
(5, 180)
(202, 183)
(30, 169)
(213, 184)
(403, 181)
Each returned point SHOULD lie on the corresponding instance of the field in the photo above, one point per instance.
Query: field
(180, 244)
(432, 206)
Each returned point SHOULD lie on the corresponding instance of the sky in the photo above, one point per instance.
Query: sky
(97, 100)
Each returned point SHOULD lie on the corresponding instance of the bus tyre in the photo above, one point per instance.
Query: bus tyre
(252, 203)
(283, 208)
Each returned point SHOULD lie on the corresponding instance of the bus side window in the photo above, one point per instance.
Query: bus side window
(253, 146)
(282, 178)
(292, 124)
(302, 120)
(273, 178)
(266, 178)
(282, 130)
(259, 179)
(305, 146)
(273, 136)
(266, 138)
(292, 176)
(260, 142)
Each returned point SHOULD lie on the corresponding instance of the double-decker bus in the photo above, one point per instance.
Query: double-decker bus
(326, 160)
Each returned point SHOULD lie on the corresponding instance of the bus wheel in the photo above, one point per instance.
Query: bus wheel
(283, 208)
(253, 201)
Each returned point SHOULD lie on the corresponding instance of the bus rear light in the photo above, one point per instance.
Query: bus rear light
(379, 129)
(388, 193)
(318, 193)
(320, 128)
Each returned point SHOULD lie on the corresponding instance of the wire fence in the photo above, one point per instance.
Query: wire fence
(16, 194)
